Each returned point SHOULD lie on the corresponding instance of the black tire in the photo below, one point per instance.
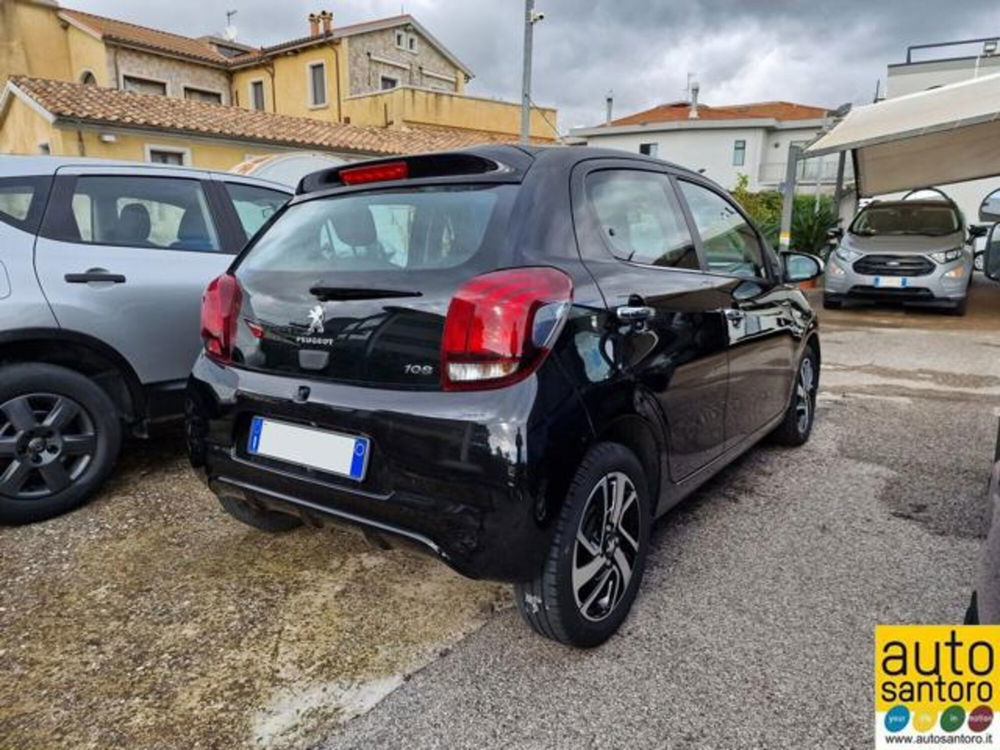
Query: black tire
(265, 520)
(960, 307)
(551, 603)
(59, 440)
(797, 424)
(831, 303)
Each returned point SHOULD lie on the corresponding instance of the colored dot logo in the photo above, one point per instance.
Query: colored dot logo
(980, 719)
(924, 720)
(896, 718)
(952, 719)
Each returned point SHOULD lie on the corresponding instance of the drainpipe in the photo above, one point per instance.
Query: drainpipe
(335, 47)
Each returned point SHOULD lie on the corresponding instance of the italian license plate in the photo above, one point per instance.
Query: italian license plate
(345, 455)
(890, 282)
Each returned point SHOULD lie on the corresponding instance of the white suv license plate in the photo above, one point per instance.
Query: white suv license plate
(344, 455)
(890, 282)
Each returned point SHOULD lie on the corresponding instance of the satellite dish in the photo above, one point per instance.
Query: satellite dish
(229, 34)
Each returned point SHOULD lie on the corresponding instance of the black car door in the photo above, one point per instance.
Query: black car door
(635, 240)
(760, 324)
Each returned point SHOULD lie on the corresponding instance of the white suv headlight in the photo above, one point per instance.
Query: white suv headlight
(947, 256)
(848, 255)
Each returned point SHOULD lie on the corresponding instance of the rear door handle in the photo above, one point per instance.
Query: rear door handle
(83, 278)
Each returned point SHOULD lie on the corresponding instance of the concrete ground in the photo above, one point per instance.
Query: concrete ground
(149, 619)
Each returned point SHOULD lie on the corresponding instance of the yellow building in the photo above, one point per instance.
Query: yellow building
(85, 84)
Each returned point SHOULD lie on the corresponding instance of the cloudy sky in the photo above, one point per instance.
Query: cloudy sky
(822, 52)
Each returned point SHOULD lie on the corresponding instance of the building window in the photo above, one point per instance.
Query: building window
(87, 78)
(400, 40)
(739, 153)
(202, 95)
(144, 85)
(162, 155)
(44, 149)
(388, 82)
(257, 95)
(649, 149)
(317, 84)
(411, 42)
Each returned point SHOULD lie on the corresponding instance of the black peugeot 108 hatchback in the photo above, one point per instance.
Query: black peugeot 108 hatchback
(517, 358)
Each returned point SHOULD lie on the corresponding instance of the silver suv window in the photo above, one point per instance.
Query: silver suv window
(21, 200)
(154, 212)
(254, 205)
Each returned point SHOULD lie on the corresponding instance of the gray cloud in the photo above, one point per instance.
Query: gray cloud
(816, 52)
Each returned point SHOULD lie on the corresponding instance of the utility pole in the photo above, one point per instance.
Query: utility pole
(530, 19)
(788, 197)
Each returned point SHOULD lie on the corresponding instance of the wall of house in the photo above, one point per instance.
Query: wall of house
(708, 151)
(422, 107)
(176, 73)
(240, 85)
(368, 51)
(909, 79)
(32, 41)
(291, 81)
(87, 53)
(201, 152)
(24, 129)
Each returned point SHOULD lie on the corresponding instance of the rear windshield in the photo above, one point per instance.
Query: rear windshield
(906, 219)
(413, 229)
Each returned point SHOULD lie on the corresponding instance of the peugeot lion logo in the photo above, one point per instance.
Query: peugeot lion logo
(316, 320)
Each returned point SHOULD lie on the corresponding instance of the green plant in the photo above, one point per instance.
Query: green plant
(811, 218)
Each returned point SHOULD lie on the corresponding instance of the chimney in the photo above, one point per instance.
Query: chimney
(610, 102)
(313, 24)
(695, 88)
(327, 18)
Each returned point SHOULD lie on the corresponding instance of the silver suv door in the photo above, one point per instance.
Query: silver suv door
(124, 254)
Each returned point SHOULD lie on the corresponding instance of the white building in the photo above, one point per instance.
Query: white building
(929, 66)
(724, 142)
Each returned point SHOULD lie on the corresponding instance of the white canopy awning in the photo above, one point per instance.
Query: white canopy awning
(936, 137)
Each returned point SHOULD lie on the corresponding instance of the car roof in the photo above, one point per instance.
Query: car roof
(23, 166)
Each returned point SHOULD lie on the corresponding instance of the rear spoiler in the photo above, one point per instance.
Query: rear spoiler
(405, 168)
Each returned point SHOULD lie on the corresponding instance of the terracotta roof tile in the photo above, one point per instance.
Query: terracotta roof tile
(115, 30)
(676, 111)
(128, 109)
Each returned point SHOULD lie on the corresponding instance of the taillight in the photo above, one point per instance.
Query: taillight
(220, 309)
(393, 170)
(500, 326)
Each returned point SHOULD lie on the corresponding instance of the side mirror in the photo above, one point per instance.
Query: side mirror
(978, 230)
(800, 267)
(991, 255)
(989, 211)
(835, 233)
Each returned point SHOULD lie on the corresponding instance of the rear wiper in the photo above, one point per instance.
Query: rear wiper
(329, 293)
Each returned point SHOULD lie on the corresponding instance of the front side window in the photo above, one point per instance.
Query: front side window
(641, 219)
(317, 84)
(144, 85)
(907, 218)
(21, 199)
(730, 244)
(739, 153)
(412, 230)
(151, 212)
(254, 205)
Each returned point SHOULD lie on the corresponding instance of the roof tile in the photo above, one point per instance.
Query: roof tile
(676, 111)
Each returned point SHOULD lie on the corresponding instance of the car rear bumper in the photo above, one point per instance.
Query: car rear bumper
(456, 473)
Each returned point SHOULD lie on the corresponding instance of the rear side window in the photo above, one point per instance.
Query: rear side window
(22, 200)
(254, 205)
(149, 212)
(412, 230)
(641, 219)
(730, 244)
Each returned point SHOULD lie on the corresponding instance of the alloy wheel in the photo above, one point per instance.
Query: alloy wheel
(606, 546)
(804, 388)
(47, 442)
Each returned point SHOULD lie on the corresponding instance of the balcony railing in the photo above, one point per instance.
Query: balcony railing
(822, 170)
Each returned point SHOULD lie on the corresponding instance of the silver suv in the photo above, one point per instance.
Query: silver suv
(904, 251)
(102, 267)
